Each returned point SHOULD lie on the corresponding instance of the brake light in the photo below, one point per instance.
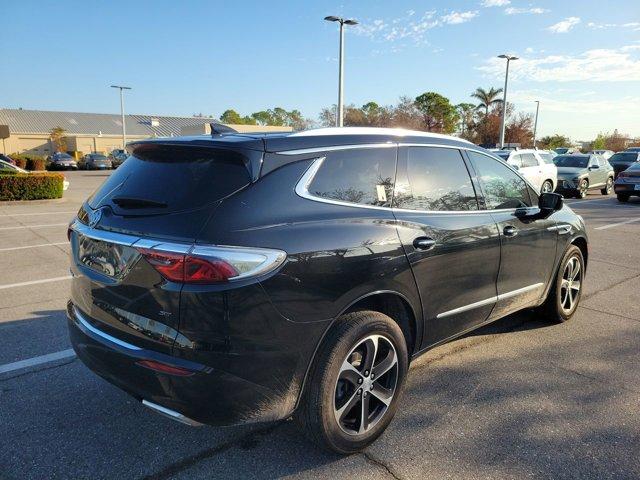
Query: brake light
(164, 368)
(209, 265)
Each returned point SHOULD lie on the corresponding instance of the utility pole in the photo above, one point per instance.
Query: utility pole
(343, 22)
(535, 125)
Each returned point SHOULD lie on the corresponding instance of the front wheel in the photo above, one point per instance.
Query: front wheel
(608, 188)
(354, 385)
(565, 293)
(583, 188)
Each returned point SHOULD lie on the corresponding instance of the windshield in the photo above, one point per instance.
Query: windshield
(561, 150)
(98, 157)
(547, 157)
(625, 157)
(571, 161)
(62, 156)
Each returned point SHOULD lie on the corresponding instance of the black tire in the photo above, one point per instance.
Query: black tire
(608, 187)
(554, 308)
(583, 188)
(319, 407)
(547, 186)
(622, 197)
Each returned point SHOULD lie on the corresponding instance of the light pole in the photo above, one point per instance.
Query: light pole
(535, 124)
(343, 22)
(504, 99)
(124, 128)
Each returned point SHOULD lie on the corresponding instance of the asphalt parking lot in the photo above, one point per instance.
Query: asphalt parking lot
(517, 399)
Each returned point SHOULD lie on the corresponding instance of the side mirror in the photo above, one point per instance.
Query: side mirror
(594, 167)
(515, 167)
(550, 202)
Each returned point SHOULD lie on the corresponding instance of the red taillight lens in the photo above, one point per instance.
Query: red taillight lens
(188, 269)
(169, 265)
(200, 270)
(164, 368)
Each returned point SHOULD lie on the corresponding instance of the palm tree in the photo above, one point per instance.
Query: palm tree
(487, 98)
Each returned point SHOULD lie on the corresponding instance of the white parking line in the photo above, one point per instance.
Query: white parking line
(34, 282)
(33, 246)
(36, 226)
(579, 201)
(613, 225)
(31, 362)
(39, 213)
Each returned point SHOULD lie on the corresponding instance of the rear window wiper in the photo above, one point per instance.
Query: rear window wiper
(131, 202)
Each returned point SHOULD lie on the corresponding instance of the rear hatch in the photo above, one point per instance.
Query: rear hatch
(158, 200)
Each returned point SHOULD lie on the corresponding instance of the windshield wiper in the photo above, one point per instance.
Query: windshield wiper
(130, 202)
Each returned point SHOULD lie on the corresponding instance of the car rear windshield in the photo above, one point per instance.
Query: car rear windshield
(571, 161)
(169, 178)
(504, 154)
(624, 157)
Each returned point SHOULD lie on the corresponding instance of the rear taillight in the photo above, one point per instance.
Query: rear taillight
(208, 265)
(164, 368)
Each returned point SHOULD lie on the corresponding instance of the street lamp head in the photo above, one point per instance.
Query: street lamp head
(121, 87)
(332, 18)
(343, 21)
(350, 22)
(508, 57)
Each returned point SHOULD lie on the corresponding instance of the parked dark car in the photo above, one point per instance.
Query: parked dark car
(566, 150)
(62, 161)
(117, 157)
(7, 159)
(633, 149)
(96, 161)
(579, 173)
(622, 160)
(244, 278)
(628, 183)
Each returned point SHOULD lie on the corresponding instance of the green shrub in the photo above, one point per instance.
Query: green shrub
(36, 186)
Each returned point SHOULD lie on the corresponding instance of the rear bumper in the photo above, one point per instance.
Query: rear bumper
(208, 395)
(625, 189)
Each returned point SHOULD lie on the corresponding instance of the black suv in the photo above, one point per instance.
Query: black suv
(243, 278)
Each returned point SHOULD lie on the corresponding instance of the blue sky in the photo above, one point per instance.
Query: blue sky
(581, 59)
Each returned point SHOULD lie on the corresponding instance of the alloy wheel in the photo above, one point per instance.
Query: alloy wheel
(547, 187)
(583, 188)
(570, 285)
(609, 185)
(366, 385)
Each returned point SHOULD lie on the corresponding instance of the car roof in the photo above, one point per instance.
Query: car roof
(312, 139)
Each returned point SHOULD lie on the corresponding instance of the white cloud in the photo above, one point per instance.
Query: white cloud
(455, 18)
(495, 3)
(599, 26)
(597, 65)
(411, 27)
(518, 11)
(565, 25)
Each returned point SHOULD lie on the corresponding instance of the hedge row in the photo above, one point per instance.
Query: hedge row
(23, 186)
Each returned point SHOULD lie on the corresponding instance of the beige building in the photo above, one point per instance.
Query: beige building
(27, 131)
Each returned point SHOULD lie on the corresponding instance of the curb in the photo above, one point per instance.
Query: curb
(32, 202)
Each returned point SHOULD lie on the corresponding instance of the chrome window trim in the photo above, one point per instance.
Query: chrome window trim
(102, 334)
(302, 187)
(490, 300)
(172, 414)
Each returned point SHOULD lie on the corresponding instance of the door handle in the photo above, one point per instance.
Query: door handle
(424, 243)
(510, 231)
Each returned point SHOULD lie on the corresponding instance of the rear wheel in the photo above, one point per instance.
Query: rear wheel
(608, 188)
(622, 197)
(353, 387)
(566, 291)
(547, 187)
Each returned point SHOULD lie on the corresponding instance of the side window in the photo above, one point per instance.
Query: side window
(502, 187)
(529, 160)
(436, 179)
(516, 160)
(363, 176)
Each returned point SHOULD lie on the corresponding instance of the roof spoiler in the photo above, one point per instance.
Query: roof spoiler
(218, 128)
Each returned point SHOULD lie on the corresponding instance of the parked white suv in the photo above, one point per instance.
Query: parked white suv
(541, 174)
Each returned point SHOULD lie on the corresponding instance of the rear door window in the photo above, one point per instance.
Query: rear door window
(502, 187)
(529, 160)
(168, 178)
(362, 176)
(434, 179)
